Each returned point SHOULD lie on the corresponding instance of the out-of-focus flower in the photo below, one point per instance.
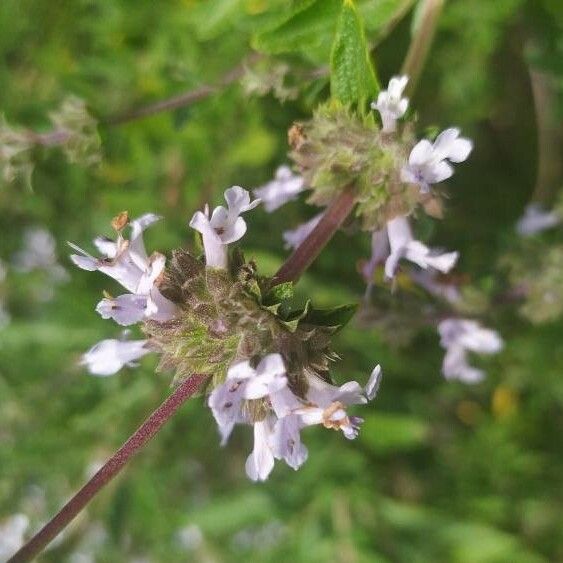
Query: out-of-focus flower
(190, 537)
(109, 356)
(39, 253)
(285, 187)
(536, 219)
(430, 163)
(460, 336)
(431, 282)
(396, 242)
(390, 103)
(224, 227)
(12, 531)
(295, 237)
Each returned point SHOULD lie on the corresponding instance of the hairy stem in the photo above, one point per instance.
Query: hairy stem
(311, 247)
(109, 470)
(421, 42)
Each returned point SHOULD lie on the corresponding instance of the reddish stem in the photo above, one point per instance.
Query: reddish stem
(311, 247)
(109, 470)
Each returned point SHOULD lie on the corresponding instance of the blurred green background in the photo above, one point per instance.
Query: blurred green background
(441, 471)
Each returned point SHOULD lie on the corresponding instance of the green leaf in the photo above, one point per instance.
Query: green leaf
(335, 317)
(279, 293)
(292, 319)
(352, 77)
(308, 29)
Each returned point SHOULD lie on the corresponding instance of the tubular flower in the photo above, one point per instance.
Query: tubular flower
(225, 225)
(390, 103)
(395, 242)
(109, 356)
(126, 261)
(460, 336)
(536, 219)
(295, 237)
(285, 187)
(430, 163)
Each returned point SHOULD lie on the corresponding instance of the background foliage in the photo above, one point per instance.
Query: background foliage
(441, 471)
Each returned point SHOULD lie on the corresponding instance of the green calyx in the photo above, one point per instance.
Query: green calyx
(235, 315)
(338, 148)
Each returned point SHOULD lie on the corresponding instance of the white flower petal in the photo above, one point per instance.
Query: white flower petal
(421, 153)
(261, 461)
(12, 532)
(536, 219)
(225, 403)
(443, 262)
(286, 442)
(295, 237)
(372, 386)
(109, 356)
(215, 250)
(439, 172)
(125, 309)
(285, 187)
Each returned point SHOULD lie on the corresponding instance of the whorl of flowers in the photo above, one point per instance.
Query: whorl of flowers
(392, 176)
(268, 360)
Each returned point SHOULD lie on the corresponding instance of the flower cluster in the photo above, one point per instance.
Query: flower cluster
(267, 361)
(283, 414)
(392, 175)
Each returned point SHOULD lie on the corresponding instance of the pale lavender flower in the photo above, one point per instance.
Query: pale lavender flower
(124, 260)
(12, 532)
(127, 262)
(327, 403)
(109, 356)
(390, 103)
(285, 187)
(536, 219)
(295, 237)
(460, 336)
(277, 434)
(395, 242)
(245, 382)
(224, 227)
(39, 253)
(260, 462)
(430, 163)
(430, 281)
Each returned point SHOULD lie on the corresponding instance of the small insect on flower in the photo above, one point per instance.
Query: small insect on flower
(390, 103)
(430, 163)
(460, 336)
